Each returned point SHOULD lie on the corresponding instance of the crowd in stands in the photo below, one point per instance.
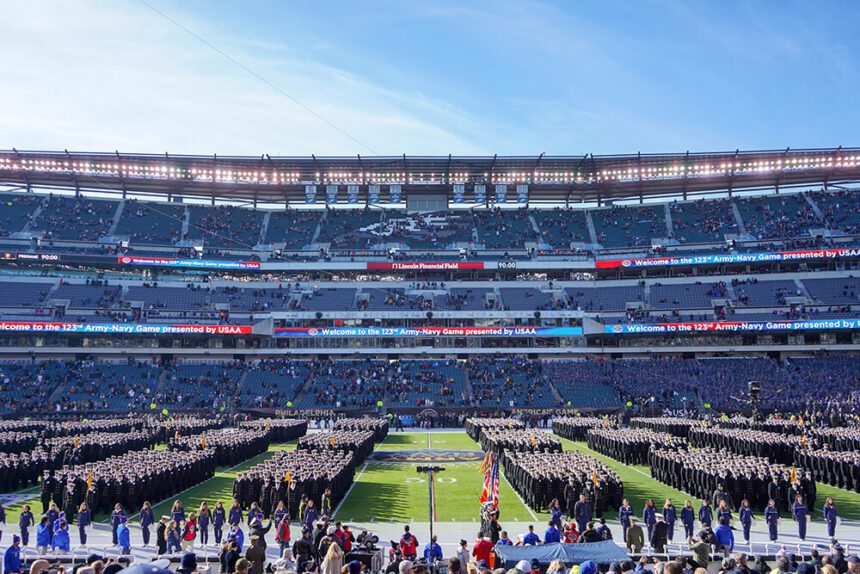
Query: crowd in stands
(828, 385)
(783, 217)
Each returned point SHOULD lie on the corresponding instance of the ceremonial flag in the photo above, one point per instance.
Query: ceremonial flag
(793, 474)
(90, 481)
(287, 476)
(534, 441)
(490, 492)
(485, 465)
(203, 442)
(76, 441)
(331, 442)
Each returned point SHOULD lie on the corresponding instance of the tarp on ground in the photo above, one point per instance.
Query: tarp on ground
(601, 552)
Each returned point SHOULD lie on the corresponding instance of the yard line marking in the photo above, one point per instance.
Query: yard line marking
(429, 444)
(345, 496)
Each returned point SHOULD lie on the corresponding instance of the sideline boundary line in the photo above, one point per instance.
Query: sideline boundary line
(349, 490)
(523, 502)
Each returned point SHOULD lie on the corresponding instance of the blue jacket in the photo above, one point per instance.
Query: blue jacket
(123, 536)
(624, 514)
(84, 518)
(178, 515)
(706, 515)
(582, 511)
(504, 542)
(240, 538)
(279, 515)
(530, 539)
(203, 519)
(12, 560)
(25, 520)
(551, 535)
(219, 517)
(310, 517)
(52, 515)
(432, 551)
(147, 517)
(830, 513)
(670, 515)
(771, 515)
(43, 534)
(116, 517)
(688, 515)
(649, 515)
(173, 539)
(799, 511)
(725, 537)
(235, 515)
(746, 515)
(61, 540)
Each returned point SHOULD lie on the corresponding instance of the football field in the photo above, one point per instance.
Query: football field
(388, 488)
(391, 490)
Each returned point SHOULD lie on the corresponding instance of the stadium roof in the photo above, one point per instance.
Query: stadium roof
(586, 178)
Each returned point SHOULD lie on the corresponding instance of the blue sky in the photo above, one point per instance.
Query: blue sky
(501, 77)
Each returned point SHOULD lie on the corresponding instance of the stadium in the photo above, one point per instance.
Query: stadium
(429, 288)
(423, 341)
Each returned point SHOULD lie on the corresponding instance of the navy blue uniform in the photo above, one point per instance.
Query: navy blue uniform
(830, 515)
(746, 516)
(688, 518)
(771, 516)
(799, 512)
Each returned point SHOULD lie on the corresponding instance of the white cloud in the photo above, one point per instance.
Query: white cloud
(110, 75)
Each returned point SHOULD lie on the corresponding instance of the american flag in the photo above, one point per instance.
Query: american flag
(490, 492)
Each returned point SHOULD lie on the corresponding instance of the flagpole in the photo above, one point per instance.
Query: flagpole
(431, 492)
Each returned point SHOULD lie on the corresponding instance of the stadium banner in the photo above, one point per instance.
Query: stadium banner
(424, 265)
(122, 328)
(186, 263)
(745, 326)
(324, 332)
(717, 259)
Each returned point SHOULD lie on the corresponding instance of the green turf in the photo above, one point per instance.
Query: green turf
(392, 491)
(423, 440)
(453, 441)
(847, 502)
(395, 492)
(404, 441)
(13, 511)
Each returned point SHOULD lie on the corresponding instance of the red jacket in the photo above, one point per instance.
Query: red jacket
(481, 550)
(283, 534)
(408, 547)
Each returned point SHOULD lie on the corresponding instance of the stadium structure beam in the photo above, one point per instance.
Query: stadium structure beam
(559, 179)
